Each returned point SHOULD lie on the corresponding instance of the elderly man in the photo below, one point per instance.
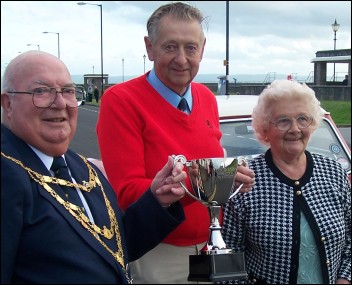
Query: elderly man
(67, 229)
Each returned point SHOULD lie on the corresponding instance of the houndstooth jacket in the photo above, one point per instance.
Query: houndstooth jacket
(265, 223)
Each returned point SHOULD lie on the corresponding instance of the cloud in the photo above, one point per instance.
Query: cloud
(264, 37)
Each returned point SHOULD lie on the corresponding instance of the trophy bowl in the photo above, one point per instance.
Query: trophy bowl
(212, 181)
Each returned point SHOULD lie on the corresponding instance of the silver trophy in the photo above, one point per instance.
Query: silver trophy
(212, 181)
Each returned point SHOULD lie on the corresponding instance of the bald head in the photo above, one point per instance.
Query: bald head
(28, 62)
(49, 129)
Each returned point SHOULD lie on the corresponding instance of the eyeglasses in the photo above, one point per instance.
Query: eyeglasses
(44, 97)
(284, 124)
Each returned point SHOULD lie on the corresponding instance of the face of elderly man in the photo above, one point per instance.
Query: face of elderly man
(48, 129)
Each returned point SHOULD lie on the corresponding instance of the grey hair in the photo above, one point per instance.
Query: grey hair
(273, 93)
(180, 11)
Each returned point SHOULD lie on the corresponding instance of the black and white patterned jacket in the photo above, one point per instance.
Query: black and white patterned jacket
(265, 223)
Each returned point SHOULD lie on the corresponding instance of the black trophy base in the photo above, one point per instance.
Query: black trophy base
(217, 267)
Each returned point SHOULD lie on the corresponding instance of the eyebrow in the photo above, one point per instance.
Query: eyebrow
(40, 82)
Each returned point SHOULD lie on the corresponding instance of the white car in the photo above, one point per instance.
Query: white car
(238, 139)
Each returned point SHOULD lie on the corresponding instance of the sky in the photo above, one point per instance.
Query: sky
(264, 37)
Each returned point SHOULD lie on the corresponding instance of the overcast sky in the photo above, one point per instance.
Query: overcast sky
(280, 37)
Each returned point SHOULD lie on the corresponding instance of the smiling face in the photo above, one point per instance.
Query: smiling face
(176, 52)
(48, 129)
(290, 144)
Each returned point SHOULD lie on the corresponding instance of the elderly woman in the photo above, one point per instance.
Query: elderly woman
(295, 226)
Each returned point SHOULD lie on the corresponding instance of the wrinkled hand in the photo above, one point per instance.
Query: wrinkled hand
(342, 281)
(166, 184)
(246, 176)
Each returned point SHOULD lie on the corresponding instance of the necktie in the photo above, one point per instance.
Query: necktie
(183, 106)
(61, 171)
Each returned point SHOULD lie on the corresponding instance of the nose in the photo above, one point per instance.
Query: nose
(294, 125)
(181, 57)
(59, 99)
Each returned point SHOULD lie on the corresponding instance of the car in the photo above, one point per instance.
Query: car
(238, 139)
(81, 95)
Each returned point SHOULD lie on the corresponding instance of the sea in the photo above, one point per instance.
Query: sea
(215, 78)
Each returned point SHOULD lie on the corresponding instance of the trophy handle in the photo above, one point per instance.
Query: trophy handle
(184, 161)
(241, 161)
(194, 197)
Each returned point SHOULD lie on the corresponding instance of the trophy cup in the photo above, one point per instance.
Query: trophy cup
(212, 184)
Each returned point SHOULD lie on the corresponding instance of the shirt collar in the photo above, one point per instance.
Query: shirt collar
(170, 96)
(46, 159)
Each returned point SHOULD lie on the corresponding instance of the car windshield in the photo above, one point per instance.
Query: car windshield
(238, 139)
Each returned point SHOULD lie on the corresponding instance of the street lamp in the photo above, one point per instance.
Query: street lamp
(335, 27)
(58, 42)
(101, 41)
(34, 45)
(227, 47)
(123, 70)
(144, 56)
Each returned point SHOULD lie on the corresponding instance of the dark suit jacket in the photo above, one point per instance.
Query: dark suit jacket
(41, 242)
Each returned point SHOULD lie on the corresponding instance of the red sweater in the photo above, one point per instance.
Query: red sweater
(138, 129)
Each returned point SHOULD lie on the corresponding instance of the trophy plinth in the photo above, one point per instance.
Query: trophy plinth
(217, 267)
(212, 184)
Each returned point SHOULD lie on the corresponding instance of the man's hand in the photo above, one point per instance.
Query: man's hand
(166, 184)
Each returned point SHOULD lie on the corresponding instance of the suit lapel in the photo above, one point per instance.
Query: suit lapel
(97, 206)
(79, 171)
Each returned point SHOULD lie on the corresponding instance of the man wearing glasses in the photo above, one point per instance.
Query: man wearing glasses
(67, 230)
(44, 97)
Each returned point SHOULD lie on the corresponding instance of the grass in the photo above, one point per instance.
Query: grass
(340, 111)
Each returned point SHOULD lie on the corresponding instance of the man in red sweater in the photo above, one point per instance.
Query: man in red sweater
(139, 125)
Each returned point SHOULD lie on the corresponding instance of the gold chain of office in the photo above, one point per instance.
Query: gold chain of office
(76, 211)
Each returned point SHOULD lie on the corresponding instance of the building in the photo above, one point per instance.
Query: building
(332, 57)
(95, 79)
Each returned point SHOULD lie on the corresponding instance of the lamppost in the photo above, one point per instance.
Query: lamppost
(144, 56)
(335, 27)
(227, 47)
(58, 42)
(34, 45)
(123, 70)
(101, 41)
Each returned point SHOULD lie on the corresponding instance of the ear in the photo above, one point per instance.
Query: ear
(6, 104)
(201, 55)
(149, 48)
(265, 136)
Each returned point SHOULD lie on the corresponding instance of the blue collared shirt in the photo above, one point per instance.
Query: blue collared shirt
(170, 96)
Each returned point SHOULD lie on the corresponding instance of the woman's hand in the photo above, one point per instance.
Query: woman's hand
(246, 176)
